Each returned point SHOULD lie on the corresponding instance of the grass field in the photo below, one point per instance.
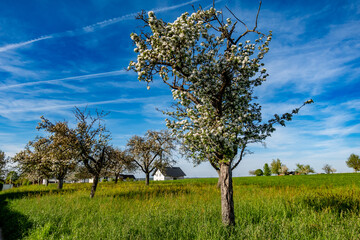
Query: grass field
(284, 207)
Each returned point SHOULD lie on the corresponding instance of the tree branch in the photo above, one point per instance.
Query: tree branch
(241, 156)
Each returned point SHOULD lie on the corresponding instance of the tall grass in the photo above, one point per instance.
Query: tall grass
(289, 207)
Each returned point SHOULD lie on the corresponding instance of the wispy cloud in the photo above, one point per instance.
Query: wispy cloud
(90, 28)
(74, 78)
(21, 44)
(311, 66)
(10, 107)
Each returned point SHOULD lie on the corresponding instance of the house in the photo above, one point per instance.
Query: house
(168, 173)
(126, 177)
(48, 181)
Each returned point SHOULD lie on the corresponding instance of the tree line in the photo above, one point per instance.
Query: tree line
(278, 168)
(85, 151)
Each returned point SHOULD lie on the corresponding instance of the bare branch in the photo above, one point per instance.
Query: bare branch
(237, 18)
(257, 16)
(240, 158)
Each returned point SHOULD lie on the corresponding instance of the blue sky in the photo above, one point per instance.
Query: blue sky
(55, 55)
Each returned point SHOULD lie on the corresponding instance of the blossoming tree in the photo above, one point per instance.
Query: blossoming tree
(151, 152)
(212, 75)
(59, 153)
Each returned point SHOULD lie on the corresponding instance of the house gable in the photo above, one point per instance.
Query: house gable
(168, 173)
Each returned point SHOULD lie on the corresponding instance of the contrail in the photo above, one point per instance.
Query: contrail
(52, 81)
(89, 28)
(17, 45)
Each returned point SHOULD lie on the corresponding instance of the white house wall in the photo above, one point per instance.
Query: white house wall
(159, 176)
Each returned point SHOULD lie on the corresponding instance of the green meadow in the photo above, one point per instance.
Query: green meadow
(276, 207)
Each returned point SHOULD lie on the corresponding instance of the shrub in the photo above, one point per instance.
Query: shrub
(259, 172)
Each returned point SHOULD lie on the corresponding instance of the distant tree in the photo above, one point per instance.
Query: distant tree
(32, 161)
(283, 169)
(212, 72)
(11, 177)
(152, 151)
(120, 161)
(3, 164)
(60, 151)
(259, 172)
(276, 166)
(354, 162)
(252, 172)
(267, 171)
(92, 143)
(328, 169)
(80, 173)
(304, 169)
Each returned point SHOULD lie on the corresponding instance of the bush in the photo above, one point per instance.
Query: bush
(259, 172)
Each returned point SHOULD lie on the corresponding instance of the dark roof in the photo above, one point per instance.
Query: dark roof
(125, 176)
(172, 172)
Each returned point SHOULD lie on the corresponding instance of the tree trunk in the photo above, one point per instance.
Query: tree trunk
(147, 178)
(60, 183)
(219, 179)
(94, 185)
(227, 202)
(116, 178)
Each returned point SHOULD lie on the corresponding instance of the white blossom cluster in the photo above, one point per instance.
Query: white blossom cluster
(212, 78)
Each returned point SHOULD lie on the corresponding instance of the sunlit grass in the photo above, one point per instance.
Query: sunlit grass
(289, 207)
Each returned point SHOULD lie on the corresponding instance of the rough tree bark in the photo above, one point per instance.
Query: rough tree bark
(93, 187)
(227, 202)
(218, 185)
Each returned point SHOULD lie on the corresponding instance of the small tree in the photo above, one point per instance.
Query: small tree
(304, 169)
(80, 173)
(32, 161)
(276, 166)
(152, 151)
(267, 171)
(60, 152)
(354, 162)
(212, 73)
(11, 177)
(3, 164)
(120, 161)
(92, 143)
(259, 172)
(283, 169)
(328, 169)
